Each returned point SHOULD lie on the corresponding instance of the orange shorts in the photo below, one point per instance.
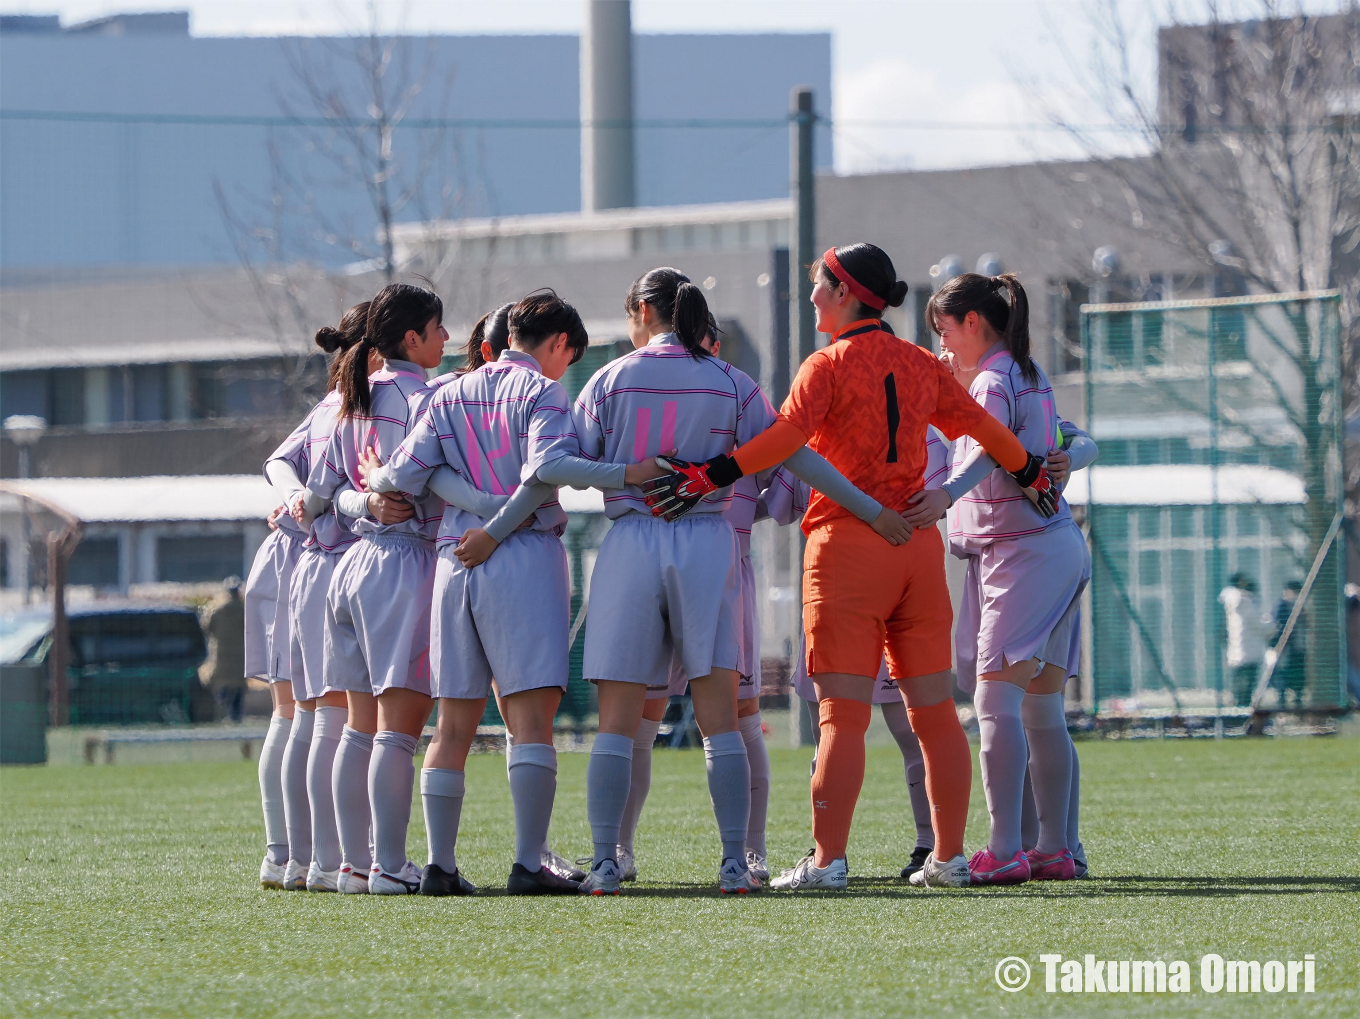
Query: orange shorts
(863, 598)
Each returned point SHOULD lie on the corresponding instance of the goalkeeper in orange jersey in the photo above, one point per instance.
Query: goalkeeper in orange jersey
(863, 402)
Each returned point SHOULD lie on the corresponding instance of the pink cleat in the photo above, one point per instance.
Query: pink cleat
(1059, 866)
(986, 869)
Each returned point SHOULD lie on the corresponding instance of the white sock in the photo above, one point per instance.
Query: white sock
(326, 731)
(1002, 755)
(271, 789)
(533, 787)
(391, 774)
(441, 794)
(608, 776)
(349, 789)
(641, 783)
(758, 758)
(1050, 766)
(296, 809)
(729, 787)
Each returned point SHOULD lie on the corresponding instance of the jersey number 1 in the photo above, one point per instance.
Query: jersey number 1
(894, 417)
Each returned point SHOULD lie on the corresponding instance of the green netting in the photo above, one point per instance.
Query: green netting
(1218, 486)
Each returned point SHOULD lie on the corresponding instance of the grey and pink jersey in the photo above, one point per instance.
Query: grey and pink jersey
(332, 531)
(399, 395)
(785, 499)
(741, 512)
(496, 427)
(294, 452)
(660, 398)
(997, 508)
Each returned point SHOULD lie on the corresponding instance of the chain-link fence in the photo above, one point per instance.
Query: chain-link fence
(1214, 509)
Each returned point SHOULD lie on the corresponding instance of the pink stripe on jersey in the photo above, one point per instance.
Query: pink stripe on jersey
(642, 433)
(668, 409)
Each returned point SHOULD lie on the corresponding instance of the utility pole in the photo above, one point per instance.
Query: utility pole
(803, 235)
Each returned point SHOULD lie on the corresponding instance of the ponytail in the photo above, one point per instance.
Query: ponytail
(398, 309)
(690, 319)
(492, 328)
(351, 378)
(338, 339)
(1008, 316)
(678, 303)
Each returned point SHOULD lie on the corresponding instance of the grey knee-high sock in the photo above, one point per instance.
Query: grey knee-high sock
(1002, 756)
(295, 807)
(914, 763)
(533, 787)
(271, 789)
(758, 758)
(729, 786)
(608, 776)
(326, 730)
(641, 783)
(441, 794)
(391, 774)
(349, 788)
(1029, 817)
(1074, 800)
(1050, 766)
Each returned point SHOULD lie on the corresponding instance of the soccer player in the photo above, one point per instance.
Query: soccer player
(502, 592)
(1026, 571)
(663, 587)
(271, 640)
(378, 606)
(803, 468)
(864, 402)
(786, 502)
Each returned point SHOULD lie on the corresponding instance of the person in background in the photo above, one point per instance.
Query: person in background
(1353, 640)
(1290, 672)
(1247, 632)
(224, 670)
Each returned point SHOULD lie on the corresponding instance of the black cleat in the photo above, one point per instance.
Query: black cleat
(918, 861)
(539, 882)
(436, 881)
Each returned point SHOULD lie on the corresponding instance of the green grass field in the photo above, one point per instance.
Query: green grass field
(131, 891)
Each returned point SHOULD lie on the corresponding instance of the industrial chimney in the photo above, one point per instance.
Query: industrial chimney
(607, 106)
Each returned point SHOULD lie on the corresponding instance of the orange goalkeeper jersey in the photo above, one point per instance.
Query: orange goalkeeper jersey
(864, 403)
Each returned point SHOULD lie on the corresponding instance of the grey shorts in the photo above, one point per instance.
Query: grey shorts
(1022, 599)
(378, 616)
(661, 589)
(307, 622)
(748, 632)
(507, 618)
(268, 648)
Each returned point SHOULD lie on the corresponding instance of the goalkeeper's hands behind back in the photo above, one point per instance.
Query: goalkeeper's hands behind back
(674, 495)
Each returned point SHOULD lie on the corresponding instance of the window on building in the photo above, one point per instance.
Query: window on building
(94, 562)
(199, 558)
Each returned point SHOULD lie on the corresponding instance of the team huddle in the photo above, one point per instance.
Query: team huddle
(417, 565)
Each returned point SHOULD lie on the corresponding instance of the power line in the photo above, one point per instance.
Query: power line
(575, 124)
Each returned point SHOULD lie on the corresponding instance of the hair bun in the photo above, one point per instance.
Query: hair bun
(330, 339)
(897, 293)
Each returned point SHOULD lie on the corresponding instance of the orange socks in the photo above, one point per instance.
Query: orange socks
(840, 773)
(949, 773)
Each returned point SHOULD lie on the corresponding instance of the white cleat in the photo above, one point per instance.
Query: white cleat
(271, 874)
(603, 879)
(756, 864)
(950, 874)
(294, 877)
(627, 864)
(405, 882)
(561, 866)
(319, 880)
(351, 881)
(805, 877)
(734, 878)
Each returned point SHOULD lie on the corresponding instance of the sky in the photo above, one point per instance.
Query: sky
(916, 84)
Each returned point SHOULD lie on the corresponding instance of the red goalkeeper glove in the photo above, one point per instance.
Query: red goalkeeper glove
(1038, 486)
(674, 495)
